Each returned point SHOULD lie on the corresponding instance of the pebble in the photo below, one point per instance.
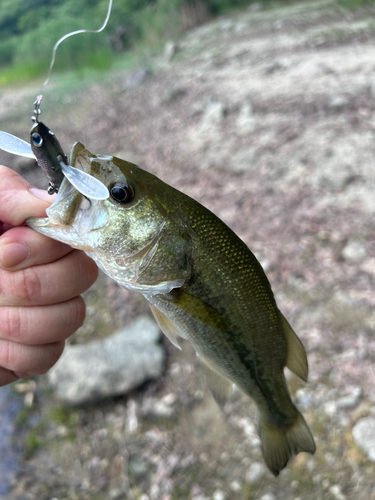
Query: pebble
(246, 122)
(218, 495)
(336, 492)
(354, 251)
(338, 102)
(136, 78)
(330, 408)
(350, 401)
(154, 492)
(364, 436)
(268, 496)
(170, 50)
(255, 472)
(235, 486)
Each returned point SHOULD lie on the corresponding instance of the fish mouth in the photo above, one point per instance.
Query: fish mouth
(70, 217)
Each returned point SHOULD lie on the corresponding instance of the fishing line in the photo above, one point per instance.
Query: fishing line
(72, 33)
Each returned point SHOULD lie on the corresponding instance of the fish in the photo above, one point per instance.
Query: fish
(48, 153)
(202, 282)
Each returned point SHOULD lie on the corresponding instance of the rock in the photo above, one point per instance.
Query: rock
(109, 367)
(354, 251)
(335, 490)
(330, 408)
(235, 486)
(246, 122)
(170, 50)
(136, 78)
(364, 436)
(303, 397)
(153, 407)
(351, 400)
(213, 115)
(173, 93)
(268, 496)
(255, 472)
(218, 495)
(337, 178)
(339, 102)
(207, 133)
(154, 492)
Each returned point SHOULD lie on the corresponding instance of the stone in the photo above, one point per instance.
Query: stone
(338, 102)
(213, 115)
(335, 490)
(172, 93)
(153, 407)
(350, 401)
(109, 367)
(330, 408)
(235, 486)
(255, 472)
(170, 50)
(218, 495)
(137, 77)
(364, 436)
(354, 251)
(268, 496)
(246, 122)
(207, 134)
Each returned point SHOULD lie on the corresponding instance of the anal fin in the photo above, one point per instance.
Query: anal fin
(296, 356)
(218, 385)
(166, 326)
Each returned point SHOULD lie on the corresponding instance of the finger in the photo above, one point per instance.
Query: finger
(48, 284)
(17, 202)
(23, 247)
(4, 227)
(41, 324)
(7, 376)
(29, 360)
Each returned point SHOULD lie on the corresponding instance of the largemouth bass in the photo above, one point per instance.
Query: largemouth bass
(202, 282)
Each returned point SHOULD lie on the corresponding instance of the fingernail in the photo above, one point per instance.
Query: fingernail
(13, 254)
(41, 194)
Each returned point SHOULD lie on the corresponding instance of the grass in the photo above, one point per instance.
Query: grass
(354, 4)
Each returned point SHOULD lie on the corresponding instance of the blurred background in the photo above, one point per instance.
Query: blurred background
(263, 112)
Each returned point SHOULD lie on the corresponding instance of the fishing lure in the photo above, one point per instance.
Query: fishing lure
(46, 149)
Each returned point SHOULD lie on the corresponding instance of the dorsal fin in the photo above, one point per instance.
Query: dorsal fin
(166, 326)
(296, 356)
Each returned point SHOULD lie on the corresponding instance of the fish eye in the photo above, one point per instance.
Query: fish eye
(121, 192)
(37, 139)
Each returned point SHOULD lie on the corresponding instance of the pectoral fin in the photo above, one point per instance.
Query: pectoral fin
(218, 385)
(296, 357)
(200, 311)
(166, 326)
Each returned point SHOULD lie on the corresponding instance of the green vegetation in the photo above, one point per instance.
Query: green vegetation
(29, 29)
(353, 4)
(63, 415)
(32, 444)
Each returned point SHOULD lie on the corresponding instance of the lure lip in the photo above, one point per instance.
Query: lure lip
(14, 145)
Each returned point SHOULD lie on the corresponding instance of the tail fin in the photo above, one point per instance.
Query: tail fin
(279, 444)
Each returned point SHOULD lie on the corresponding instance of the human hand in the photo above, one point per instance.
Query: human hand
(40, 284)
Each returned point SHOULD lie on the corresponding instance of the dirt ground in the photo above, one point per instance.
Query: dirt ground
(266, 118)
